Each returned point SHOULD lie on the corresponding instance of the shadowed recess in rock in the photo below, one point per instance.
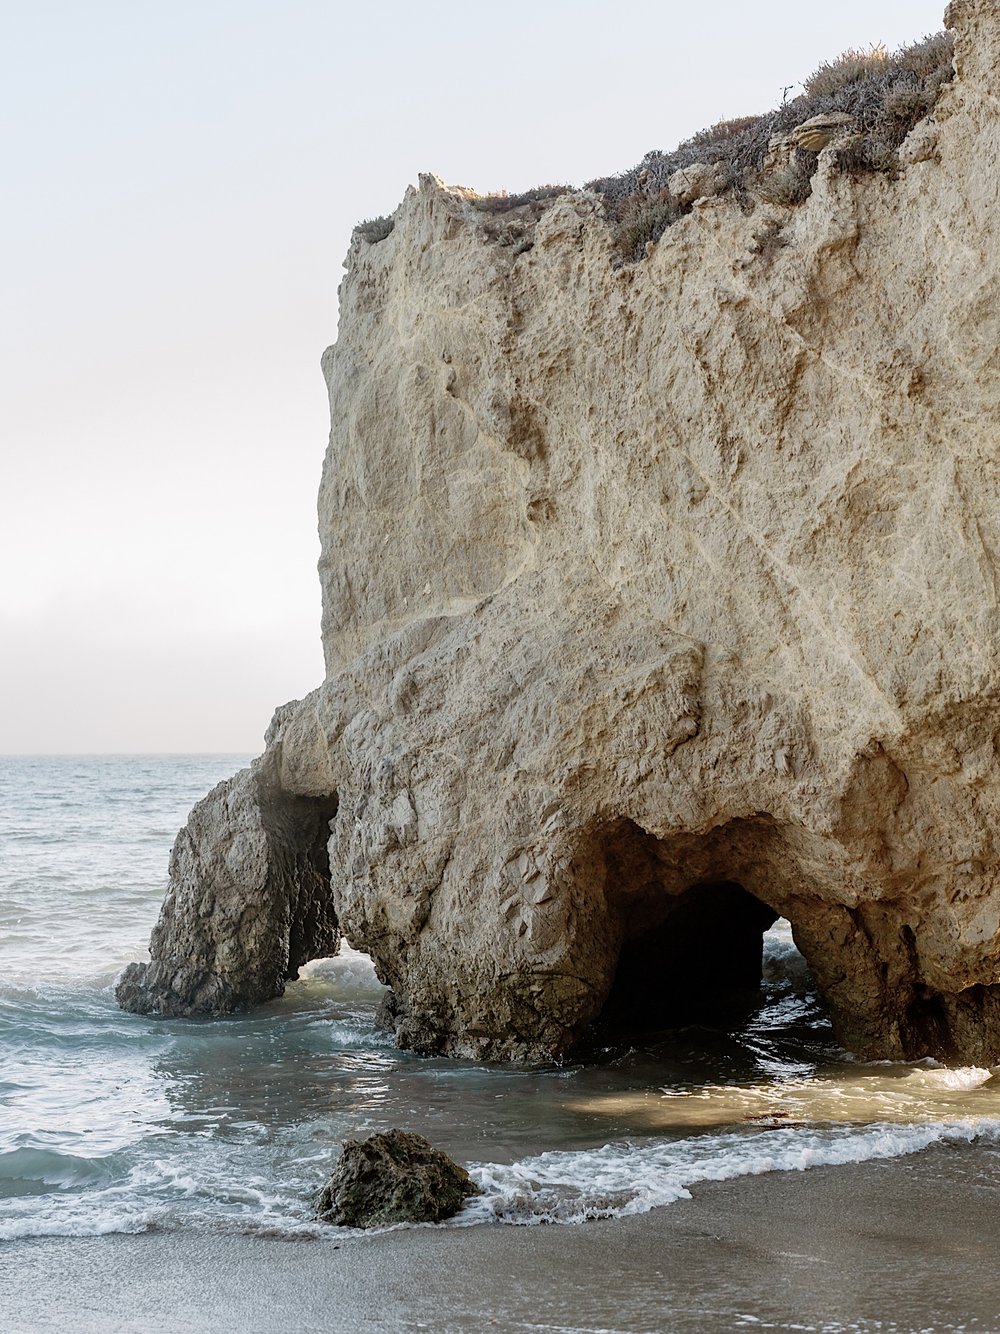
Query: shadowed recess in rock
(698, 958)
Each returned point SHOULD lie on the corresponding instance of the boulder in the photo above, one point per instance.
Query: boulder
(701, 180)
(811, 136)
(921, 144)
(816, 133)
(393, 1177)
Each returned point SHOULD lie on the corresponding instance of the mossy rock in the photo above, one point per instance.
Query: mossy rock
(393, 1177)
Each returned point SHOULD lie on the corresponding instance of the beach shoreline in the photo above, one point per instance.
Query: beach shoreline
(894, 1246)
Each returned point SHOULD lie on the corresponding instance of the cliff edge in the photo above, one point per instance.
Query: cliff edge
(658, 600)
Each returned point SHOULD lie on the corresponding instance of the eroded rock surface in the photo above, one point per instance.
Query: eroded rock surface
(393, 1177)
(638, 582)
(249, 901)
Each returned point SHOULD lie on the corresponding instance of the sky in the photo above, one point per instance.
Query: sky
(181, 184)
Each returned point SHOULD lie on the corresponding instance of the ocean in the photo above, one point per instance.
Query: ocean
(115, 1123)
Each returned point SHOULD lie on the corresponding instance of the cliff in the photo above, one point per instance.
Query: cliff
(658, 599)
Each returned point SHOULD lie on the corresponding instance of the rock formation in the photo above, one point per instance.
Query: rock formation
(813, 135)
(658, 600)
(250, 875)
(393, 1177)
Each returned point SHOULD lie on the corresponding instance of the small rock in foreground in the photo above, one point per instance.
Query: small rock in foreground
(393, 1177)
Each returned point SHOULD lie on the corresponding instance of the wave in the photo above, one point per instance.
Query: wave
(622, 1179)
(96, 1224)
(92, 1197)
(945, 1077)
(352, 1034)
(57, 1195)
(38, 1171)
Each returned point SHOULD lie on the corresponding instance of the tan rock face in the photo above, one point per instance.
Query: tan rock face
(656, 601)
(248, 904)
(702, 180)
(813, 135)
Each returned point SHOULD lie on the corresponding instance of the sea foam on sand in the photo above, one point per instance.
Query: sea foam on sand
(622, 1179)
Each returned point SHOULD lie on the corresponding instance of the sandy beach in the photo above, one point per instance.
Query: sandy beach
(894, 1247)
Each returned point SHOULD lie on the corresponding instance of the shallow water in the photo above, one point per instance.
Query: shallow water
(116, 1123)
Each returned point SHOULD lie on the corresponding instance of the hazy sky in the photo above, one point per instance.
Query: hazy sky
(182, 180)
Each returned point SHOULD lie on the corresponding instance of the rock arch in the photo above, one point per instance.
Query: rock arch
(249, 901)
(685, 942)
(733, 616)
(690, 959)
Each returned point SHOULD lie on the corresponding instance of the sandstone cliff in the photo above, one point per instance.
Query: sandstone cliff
(657, 600)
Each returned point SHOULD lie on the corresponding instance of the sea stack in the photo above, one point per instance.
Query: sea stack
(659, 599)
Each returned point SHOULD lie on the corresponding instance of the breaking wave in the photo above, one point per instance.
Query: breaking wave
(622, 1179)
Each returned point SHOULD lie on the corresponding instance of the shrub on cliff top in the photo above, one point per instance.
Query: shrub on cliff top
(788, 185)
(375, 229)
(930, 58)
(720, 131)
(642, 220)
(850, 67)
(502, 202)
(885, 93)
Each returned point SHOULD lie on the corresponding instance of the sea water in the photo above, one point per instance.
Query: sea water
(112, 1122)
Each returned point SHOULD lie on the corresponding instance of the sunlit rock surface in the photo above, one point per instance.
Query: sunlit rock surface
(640, 583)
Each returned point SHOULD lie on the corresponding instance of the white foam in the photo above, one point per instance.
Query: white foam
(559, 1186)
(622, 1179)
(96, 1224)
(350, 970)
(352, 1033)
(195, 1191)
(89, 1213)
(962, 1077)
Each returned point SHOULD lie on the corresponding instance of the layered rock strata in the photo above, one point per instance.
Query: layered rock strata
(657, 600)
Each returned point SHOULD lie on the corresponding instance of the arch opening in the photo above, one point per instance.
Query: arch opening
(298, 833)
(696, 958)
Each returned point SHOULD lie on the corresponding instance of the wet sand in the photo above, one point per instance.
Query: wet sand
(890, 1247)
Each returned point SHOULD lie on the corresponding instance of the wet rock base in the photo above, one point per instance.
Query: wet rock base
(394, 1177)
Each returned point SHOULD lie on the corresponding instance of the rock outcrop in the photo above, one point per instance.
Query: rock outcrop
(249, 901)
(813, 135)
(657, 600)
(393, 1177)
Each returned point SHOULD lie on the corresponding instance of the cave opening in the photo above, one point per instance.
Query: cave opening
(348, 974)
(298, 829)
(693, 957)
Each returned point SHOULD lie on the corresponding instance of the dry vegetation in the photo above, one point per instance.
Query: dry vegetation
(375, 229)
(503, 202)
(886, 94)
(530, 203)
